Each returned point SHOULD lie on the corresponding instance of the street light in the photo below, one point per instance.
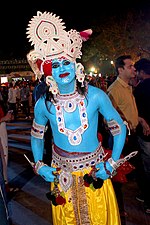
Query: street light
(93, 69)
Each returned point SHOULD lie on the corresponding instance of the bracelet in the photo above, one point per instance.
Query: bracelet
(38, 165)
(113, 163)
(111, 174)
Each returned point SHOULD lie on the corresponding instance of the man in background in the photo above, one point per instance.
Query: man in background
(142, 97)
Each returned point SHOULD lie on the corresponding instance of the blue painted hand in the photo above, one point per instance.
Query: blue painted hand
(47, 173)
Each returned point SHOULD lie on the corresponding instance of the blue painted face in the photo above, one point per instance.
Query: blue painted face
(63, 71)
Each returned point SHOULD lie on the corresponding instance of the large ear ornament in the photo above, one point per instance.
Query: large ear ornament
(35, 63)
(80, 76)
(53, 88)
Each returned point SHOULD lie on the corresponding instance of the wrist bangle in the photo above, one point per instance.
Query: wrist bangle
(111, 174)
(113, 163)
(38, 165)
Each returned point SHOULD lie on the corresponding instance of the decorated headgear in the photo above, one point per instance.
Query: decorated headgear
(46, 32)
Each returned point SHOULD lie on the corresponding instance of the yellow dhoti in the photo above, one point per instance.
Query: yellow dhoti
(85, 206)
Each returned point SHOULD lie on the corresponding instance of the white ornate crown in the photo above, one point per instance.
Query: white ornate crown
(47, 33)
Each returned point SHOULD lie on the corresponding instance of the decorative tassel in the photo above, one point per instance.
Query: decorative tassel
(85, 35)
(126, 123)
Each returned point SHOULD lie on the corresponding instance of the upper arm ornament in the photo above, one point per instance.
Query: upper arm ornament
(37, 130)
(114, 127)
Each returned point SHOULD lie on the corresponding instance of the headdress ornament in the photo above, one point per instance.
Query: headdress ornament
(47, 34)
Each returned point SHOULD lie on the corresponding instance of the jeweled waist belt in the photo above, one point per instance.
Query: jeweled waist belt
(73, 161)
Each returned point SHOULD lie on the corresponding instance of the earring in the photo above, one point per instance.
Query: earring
(80, 76)
(52, 85)
(33, 60)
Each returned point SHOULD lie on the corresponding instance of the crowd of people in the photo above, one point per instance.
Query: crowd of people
(18, 96)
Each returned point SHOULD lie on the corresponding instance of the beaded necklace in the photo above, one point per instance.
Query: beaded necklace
(69, 103)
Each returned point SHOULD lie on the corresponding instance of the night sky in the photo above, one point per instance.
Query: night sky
(15, 15)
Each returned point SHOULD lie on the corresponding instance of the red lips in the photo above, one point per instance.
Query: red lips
(63, 75)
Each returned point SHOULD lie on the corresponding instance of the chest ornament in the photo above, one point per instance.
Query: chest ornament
(70, 103)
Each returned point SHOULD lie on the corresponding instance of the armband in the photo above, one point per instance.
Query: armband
(114, 127)
(37, 130)
(38, 165)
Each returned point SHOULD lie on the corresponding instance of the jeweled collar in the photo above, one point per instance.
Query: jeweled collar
(68, 101)
(73, 96)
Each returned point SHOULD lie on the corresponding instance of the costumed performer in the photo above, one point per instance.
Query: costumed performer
(81, 188)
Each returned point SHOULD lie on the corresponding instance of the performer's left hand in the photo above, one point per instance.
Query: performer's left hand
(102, 173)
(47, 173)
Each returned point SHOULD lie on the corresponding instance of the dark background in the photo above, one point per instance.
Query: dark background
(79, 15)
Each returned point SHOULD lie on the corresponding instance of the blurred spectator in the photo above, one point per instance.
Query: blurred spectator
(120, 92)
(12, 99)
(4, 93)
(39, 89)
(142, 96)
(24, 98)
(4, 117)
(4, 212)
(17, 86)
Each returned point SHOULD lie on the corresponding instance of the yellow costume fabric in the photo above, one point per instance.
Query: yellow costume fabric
(85, 206)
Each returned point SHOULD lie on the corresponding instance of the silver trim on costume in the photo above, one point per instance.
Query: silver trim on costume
(75, 163)
(114, 127)
(78, 162)
(37, 130)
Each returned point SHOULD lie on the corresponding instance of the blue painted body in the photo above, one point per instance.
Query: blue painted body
(96, 101)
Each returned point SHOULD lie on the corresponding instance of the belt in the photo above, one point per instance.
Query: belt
(73, 161)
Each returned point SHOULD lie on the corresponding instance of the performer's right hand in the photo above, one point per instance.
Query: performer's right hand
(47, 173)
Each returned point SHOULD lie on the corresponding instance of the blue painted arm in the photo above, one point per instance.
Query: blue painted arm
(37, 142)
(110, 113)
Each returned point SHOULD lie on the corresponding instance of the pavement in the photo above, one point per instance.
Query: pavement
(29, 205)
